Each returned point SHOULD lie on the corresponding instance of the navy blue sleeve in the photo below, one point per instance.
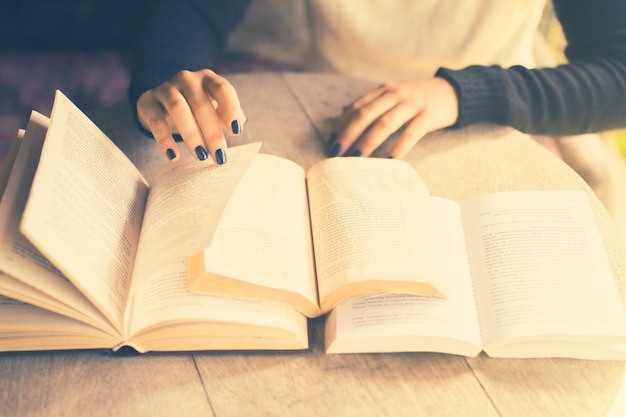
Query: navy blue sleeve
(588, 94)
(176, 35)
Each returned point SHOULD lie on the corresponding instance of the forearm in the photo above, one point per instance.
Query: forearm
(586, 95)
(570, 99)
(177, 35)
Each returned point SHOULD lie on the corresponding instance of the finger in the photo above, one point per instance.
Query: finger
(370, 95)
(414, 131)
(165, 141)
(206, 119)
(228, 106)
(152, 116)
(209, 123)
(352, 108)
(358, 120)
(175, 104)
(346, 116)
(385, 126)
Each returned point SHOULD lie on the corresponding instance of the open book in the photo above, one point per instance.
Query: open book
(531, 279)
(346, 229)
(522, 273)
(91, 256)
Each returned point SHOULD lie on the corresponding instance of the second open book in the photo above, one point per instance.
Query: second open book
(348, 228)
(516, 274)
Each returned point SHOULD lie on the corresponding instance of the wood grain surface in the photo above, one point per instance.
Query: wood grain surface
(293, 115)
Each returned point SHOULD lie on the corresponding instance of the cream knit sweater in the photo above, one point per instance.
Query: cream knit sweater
(407, 39)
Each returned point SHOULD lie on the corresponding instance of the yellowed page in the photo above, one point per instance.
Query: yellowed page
(369, 222)
(396, 322)
(184, 206)
(77, 308)
(85, 209)
(264, 236)
(162, 301)
(28, 275)
(540, 268)
(24, 327)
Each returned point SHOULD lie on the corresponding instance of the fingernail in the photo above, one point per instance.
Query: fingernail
(220, 156)
(335, 150)
(235, 126)
(357, 152)
(331, 139)
(170, 153)
(201, 153)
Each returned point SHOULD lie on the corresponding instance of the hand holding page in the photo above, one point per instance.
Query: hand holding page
(103, 248)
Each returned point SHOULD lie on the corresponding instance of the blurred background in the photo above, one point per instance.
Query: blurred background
(82, 48)
(77, 46)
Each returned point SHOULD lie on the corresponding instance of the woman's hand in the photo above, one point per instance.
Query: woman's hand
(198, 106)
(420, 106)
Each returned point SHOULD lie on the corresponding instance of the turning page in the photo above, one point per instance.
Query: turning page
(262, 248)
(409, 323)
(27, 274)
(372, 232)
(85, 209)
(185, 204)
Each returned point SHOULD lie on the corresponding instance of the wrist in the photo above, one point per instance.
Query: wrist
(479, 94)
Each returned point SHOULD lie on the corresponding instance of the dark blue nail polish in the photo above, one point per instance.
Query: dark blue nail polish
(331, 140)
(235, 126)
(220, 156)
(335, 150)
(357, 152)
(170, 153)
(201, 153)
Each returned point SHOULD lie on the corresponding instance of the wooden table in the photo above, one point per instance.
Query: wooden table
(293, 114)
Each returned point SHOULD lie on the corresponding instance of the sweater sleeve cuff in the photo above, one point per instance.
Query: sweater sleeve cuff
(481, 94)
(145, 80)
(142, 82)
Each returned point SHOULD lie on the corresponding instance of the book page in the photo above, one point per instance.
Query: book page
(399, 322)
(85, 209)
(27, 274)
(540, 267)
(370, 222)
(264, 236)
(65, 302)
(24, 327)
(162, 301)
(184, 206)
